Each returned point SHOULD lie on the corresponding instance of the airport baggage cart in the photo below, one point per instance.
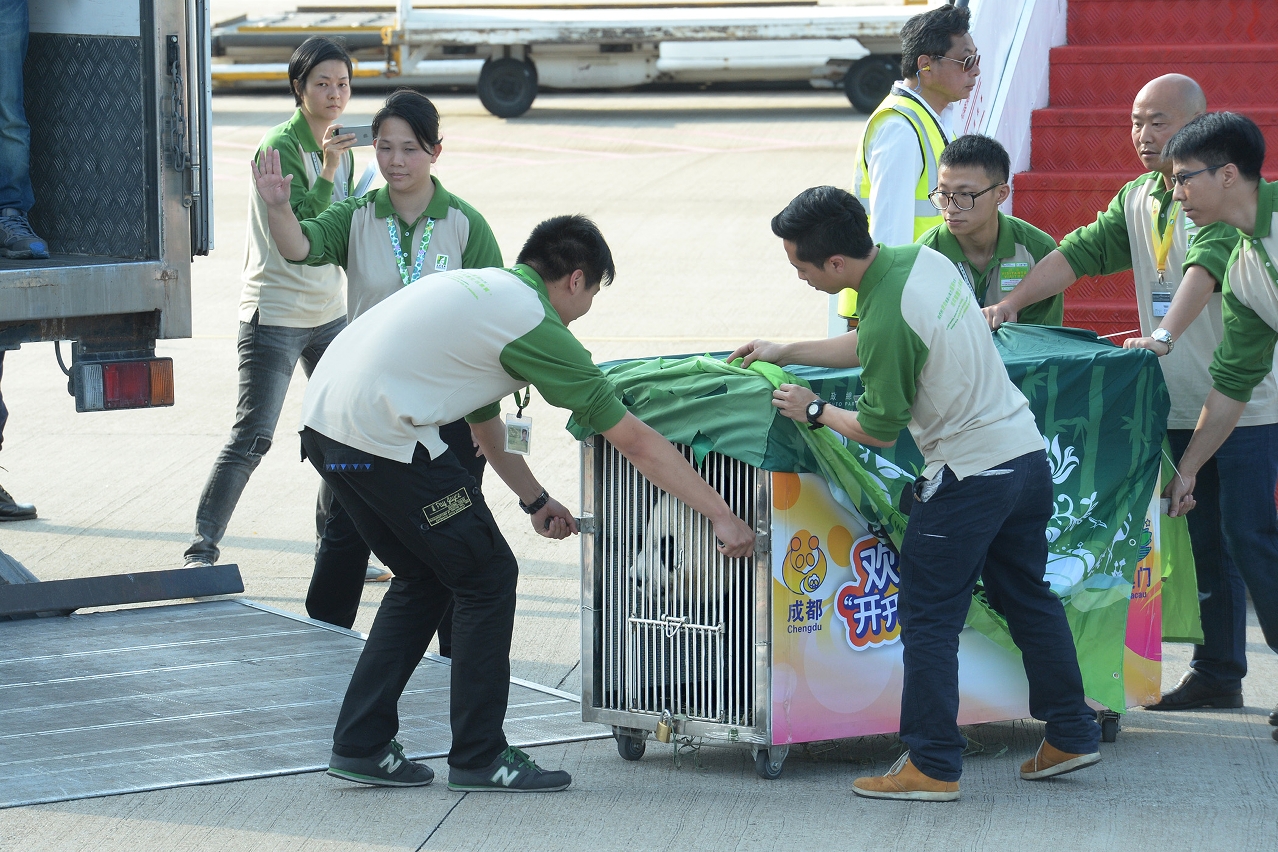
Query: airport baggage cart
(800, 643)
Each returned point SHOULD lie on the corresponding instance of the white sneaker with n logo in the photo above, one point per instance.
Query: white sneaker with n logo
(512, 772)
(387, 768)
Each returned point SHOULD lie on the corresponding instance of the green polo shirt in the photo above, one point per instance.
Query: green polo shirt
(293, 140)
(355, 235)
(1105, 247)
(1250, 305)
(1020, 246)
(928, 362)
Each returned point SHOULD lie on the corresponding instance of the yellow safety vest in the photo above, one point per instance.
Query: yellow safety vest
(932, 142)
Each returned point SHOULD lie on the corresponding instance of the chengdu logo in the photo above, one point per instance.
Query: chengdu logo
(803, 569)
(867, 603)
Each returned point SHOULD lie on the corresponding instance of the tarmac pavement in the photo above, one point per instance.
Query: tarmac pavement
(683, 185)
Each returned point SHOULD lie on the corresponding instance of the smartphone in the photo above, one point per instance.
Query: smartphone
(363, 133)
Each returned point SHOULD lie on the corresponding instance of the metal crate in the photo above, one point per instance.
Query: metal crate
(668, 623)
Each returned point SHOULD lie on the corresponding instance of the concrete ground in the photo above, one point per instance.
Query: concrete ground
(683, 185)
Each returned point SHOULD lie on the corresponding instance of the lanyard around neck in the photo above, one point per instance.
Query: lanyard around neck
(404, 273)
(1162, 238)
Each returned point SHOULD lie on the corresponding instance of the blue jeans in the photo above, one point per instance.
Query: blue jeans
(1234, 534)
(992, 528)
(15, 134)
(268, 356)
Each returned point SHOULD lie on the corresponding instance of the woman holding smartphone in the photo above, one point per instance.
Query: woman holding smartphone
(386, 240)
(287, 312)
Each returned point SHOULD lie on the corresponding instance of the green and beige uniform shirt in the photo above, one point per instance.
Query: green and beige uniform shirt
(1020, 246)
(429, 355)
(356, 235)
(1245, 359)
(928, 362)
(279, 292)
(1123, 237)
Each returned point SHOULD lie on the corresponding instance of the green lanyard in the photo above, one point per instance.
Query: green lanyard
(521, 404)
(393, 229)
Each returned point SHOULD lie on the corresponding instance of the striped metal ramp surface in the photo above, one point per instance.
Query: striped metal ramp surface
(169, 696)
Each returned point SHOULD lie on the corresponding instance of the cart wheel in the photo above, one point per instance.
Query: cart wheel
(869, 80)
(507, 86)
(631, 748)
(766, 767)
(1109, 728)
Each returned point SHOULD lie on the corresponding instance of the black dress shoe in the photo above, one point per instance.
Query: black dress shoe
(1193, 692)
(14, 511)
(1273, 720)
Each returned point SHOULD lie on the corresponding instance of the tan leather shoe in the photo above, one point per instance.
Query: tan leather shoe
(905, 781)
(1049, 761)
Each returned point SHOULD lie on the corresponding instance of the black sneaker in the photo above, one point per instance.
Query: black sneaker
(17, 240)
(11, 510)
(512, 772)
(387, 768)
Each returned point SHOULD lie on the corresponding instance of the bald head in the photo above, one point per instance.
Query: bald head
(1163, 106)
(1173, 93)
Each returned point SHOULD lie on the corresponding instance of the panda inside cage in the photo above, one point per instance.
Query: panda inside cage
(677, 619)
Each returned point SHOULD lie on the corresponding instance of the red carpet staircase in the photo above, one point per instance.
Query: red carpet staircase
(1081, 151)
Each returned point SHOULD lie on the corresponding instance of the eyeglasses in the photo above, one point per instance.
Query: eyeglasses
(1183, 178)
(968, 62)
(962, 200)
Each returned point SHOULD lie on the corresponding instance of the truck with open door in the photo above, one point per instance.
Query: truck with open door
(117, 96)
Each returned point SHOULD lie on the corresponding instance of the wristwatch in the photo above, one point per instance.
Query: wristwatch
(815, 407)
(1164, 337)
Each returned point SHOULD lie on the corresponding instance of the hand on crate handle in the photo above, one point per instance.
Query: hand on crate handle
(735, 537)
(554, 520)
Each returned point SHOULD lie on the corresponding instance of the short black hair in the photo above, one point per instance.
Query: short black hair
(931, 33)
(824, 221)
(1218, 138)
(416, 110)
(310, 53)
(977, 150)
(561, 245)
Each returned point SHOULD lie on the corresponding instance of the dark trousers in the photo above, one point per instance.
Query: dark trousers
(1234, 534)
(991, 528)
(341, 556)
(428, 522)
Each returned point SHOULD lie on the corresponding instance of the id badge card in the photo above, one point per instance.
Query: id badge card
(518, 434)
(1161, 302)
(1011, 274)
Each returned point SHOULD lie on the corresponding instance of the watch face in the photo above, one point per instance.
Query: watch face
(814, 408)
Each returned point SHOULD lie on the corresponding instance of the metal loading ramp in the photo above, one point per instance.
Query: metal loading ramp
(143, 699)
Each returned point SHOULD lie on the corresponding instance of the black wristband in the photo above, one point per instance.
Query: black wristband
(535, 506)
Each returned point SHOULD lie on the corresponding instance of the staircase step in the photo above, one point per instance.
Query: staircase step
(1172, 22)
(1110, 76)
(1100, 139)
(1059, 202)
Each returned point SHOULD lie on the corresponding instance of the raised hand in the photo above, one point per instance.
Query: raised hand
(273, 186)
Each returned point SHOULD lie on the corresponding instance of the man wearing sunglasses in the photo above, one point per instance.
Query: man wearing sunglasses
(1178, 261)
(992, 252)
(1216, 160)
(896, 167)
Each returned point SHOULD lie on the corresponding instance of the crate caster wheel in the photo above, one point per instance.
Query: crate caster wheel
(768, 762)
(631, 747)
(1109, 726)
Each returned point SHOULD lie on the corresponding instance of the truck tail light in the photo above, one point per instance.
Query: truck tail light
(115, 385)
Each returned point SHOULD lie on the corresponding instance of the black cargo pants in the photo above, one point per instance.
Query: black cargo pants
(429, 525)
